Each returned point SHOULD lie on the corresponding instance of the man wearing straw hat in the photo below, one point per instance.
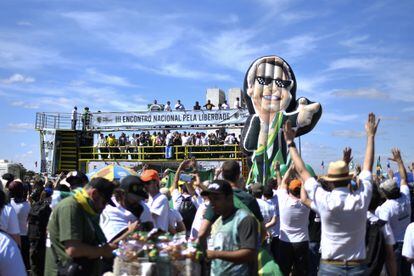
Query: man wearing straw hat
(343, 214)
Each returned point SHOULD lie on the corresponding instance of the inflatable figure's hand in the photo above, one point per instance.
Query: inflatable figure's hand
(306, 112)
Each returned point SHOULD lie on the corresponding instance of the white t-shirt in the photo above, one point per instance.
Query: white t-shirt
(268, 212)
(230, 140)
(168, 138)
(204, 140)
(74, 114)
(408, 246)
(22, 210)
(397, 212)
(225, 106)
(236, 104)
(343, 218)
(11, 262)
(186, 140)
(167, 107)
(198, 218)
(8, 220)
(386, 229)
(114, 219)
(174, 217)
(275, 229)
(159, 207)
(179, 106)
(294, 218)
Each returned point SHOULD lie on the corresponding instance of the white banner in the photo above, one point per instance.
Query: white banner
(47, 151)
(104, 120)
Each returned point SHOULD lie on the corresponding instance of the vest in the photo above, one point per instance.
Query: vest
(225, 239)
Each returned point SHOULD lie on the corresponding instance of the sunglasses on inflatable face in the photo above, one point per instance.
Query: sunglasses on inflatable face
(279, 82)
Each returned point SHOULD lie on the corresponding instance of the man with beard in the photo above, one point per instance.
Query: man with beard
(234, 241)
(77, 242)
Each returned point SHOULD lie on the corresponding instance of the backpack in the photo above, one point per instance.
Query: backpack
(38, 219)
(187, 210)
(375, 247)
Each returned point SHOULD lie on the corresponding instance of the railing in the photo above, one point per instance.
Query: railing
(61, 121)
(160, 153)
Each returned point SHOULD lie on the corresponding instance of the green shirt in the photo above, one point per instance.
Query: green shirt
(69, 222)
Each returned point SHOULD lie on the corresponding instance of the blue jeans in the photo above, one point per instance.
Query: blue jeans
(341, 270)
(403, 267)
(314, 258)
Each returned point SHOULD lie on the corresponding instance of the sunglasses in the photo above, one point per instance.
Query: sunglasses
(279, 82)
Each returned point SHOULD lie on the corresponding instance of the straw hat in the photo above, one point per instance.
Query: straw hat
(337, 171)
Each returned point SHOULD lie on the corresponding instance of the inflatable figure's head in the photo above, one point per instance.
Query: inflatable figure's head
(270, 86)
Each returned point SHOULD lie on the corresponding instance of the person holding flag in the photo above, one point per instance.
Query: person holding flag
(379, 167)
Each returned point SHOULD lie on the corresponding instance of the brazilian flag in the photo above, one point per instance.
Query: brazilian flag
(379, 167)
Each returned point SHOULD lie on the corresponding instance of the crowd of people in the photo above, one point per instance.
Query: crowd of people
(162, 143)
(343, 223)
(155, 106)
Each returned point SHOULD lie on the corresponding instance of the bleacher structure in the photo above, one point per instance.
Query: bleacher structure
(65, 149)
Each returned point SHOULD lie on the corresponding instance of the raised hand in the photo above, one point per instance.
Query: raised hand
(396, 155)
(288, 132)
(371, 125)
(347, 155)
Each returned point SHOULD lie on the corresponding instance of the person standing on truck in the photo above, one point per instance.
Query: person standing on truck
(74, 117)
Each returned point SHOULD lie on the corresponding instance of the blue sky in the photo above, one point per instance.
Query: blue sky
(351, 56)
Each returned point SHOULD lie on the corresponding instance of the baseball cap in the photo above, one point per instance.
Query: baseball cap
(294, 184)
(75, 178)
(8, 176)
(218, 187)
(149, 175)
(133, 184)
(389, 185)
(104, 187)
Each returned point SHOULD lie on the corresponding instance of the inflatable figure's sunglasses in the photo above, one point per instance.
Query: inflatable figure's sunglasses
(279, 82)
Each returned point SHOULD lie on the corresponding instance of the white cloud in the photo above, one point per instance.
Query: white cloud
(179, 71)
(362, 44)
(19, 127)
(389, 118)
(299, 45)
(367, 93)
(334, 118)
(28, 105)
(355, 63)
(22, 144)
(408, 109)
(98, 77)
(17, 78)
(297, 16)
(25, 23)
(14, 54)
(234, 49)
(391, 74)
(348, 133)
(115, 28)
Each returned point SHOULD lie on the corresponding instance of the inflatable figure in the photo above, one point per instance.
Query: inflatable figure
(270, 94)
